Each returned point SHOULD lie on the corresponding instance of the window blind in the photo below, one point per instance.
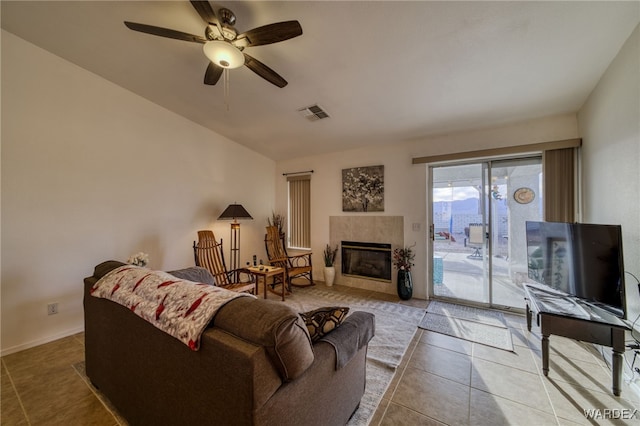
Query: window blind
(299, 211)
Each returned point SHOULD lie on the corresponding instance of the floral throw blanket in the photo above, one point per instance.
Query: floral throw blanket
(178, 307)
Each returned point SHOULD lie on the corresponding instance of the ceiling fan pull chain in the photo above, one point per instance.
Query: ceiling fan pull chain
(225, 74)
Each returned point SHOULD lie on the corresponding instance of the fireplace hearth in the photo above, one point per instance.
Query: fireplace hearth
(366, 260)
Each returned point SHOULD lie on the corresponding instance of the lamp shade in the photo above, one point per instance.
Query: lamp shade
(235, 211)
(223, 54)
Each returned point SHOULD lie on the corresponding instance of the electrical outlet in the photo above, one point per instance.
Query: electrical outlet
(52, 308)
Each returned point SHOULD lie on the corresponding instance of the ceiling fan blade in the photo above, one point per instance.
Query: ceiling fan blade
(264, 71)
(164, 32)
(213, 73)
(206, 12)
(268, 34)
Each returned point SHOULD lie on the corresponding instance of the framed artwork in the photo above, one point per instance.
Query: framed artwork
(363, 189)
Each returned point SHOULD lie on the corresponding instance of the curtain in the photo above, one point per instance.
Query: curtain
(559, 170)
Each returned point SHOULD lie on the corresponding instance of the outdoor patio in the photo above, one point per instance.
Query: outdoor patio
(462, 274)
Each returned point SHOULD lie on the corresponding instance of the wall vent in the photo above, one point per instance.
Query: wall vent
(313, 113)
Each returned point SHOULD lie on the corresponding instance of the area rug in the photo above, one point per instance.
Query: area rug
(477, 325)
(396, 324)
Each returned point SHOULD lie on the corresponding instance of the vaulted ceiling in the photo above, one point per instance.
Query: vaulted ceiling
(385, 71)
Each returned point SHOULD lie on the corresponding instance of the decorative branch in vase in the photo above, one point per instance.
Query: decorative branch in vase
(403, 258)
(329, 259)
(276, 220)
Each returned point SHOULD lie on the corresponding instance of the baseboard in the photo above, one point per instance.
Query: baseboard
(42, 341)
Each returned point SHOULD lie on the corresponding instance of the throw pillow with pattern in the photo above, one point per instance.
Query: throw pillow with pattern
(323, 320)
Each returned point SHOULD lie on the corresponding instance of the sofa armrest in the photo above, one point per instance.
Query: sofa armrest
(353, 334)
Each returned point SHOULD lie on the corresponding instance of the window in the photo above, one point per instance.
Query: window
(299, 211)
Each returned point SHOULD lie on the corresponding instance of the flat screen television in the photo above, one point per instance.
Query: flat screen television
(581, 259)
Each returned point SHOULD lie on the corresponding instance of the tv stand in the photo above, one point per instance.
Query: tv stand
(568, 316)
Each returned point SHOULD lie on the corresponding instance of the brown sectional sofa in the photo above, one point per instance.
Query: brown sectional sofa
(255, 366)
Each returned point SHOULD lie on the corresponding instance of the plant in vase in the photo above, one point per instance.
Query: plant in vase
(276, 220)
(329, 270)
(403, 261)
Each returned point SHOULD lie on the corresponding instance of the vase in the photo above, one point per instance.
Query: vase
(405, 285)
(329, 275)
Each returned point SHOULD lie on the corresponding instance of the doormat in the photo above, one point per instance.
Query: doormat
(477, 325)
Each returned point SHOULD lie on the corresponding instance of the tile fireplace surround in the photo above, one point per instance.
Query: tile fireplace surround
(369, 229)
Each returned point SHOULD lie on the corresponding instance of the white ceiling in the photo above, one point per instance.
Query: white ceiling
(386, 72)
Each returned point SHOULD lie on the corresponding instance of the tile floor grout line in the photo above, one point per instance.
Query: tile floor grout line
(471, 356)
(541, 376)
(410, 355)
(537, 373)
(15, 390)
(399, 378)
(95, 394)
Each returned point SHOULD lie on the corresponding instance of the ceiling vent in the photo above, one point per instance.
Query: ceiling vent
(313, 113)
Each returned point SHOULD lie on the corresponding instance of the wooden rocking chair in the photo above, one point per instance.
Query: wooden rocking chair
(208, 254)
(298, 266)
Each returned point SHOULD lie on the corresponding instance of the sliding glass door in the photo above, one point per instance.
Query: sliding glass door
(478, 213)
(460, 269)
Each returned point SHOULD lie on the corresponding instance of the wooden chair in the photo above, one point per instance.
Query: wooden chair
(208, 254)
(298, 266)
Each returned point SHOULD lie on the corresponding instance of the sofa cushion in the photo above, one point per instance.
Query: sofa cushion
(272, 325)
(322, 321)
(196, 274)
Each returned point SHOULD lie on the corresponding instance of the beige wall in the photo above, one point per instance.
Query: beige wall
(609, 124)
(92, 172)
(405, 184)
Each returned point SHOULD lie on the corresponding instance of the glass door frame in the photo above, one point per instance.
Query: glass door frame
(489, 229)
(485, 249)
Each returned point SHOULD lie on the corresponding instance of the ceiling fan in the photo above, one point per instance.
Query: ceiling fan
(223, 46)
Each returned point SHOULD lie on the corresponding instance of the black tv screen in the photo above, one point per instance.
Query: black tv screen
(580, 259)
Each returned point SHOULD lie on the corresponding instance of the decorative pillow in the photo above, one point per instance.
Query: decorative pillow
(196, 274)
(323, 320)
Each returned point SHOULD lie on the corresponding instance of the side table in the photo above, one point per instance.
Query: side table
(265, 273)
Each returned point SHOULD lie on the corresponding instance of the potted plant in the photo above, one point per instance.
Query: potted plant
(403, 261)
(276, 220)
(329, 270)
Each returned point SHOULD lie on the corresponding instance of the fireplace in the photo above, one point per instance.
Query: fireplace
(366, 260)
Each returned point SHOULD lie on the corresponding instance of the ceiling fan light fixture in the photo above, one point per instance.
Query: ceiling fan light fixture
(223, 54)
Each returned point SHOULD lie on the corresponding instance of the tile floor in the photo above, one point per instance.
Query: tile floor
(442, 380)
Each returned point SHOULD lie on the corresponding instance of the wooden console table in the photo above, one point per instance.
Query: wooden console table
(576, 319)
(265, 273)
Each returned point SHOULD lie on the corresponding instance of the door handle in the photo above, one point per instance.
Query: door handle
(432, 232)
